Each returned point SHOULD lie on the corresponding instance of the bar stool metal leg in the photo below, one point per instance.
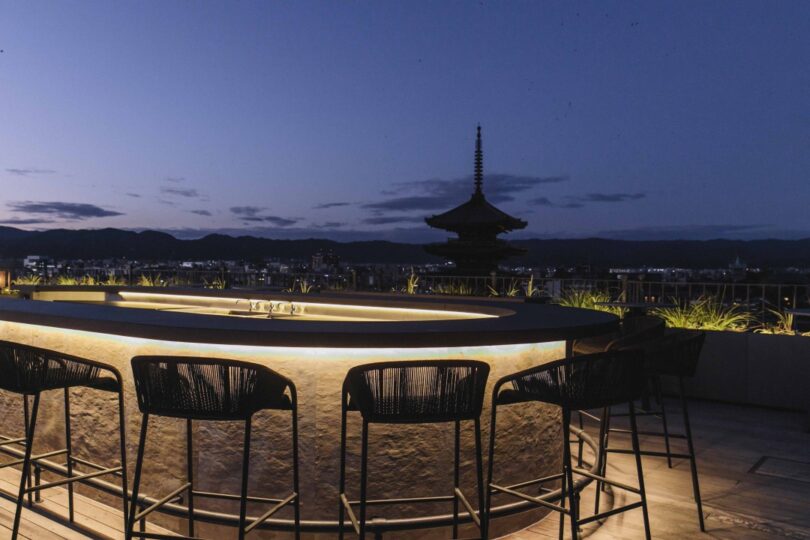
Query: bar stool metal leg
(190, 474)
(637, 452)
(297, 503)
(569, 474)
(69, 454)
(659, 396)
(27, 419)
(601, 457)
(26, 468)
(456, 473)
(490, 469)
(245, 478)
(602, 471)
(479, 457)
(363, 481)
(122, 429)
(563, 496)
(342, 481)
(692, 460)
(136, 483)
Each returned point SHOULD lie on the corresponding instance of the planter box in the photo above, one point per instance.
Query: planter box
(754, 369)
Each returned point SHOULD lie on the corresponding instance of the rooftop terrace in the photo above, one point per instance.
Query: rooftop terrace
(754, 466)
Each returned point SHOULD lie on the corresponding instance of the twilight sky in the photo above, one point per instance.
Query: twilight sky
(357, 119)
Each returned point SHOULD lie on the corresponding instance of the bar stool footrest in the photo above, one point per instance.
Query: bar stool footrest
(535, 500)
(608, 513)
(348, 506)
(142, 514)
(267, 515)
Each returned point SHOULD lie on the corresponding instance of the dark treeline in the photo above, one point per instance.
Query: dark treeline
(598, 252)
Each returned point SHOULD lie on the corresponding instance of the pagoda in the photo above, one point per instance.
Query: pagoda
(477, 250)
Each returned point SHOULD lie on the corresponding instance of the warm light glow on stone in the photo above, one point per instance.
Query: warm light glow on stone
(304, 309)
(402, 457)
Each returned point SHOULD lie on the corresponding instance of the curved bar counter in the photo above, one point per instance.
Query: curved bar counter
(314, 340)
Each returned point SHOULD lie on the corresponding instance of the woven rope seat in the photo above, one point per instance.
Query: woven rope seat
(30, 370)
(417, 391)
(634, 330)
(207, 388)
(580, 382)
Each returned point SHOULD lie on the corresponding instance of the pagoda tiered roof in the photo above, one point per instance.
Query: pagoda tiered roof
(477, 250)
(476, 215)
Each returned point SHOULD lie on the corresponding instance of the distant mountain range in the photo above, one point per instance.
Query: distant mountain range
(154, 246)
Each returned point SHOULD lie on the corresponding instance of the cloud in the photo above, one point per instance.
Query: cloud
(134, 195)
(699, 232)
(178, 192)
(330, 205)
(250, 214)
(331, 225)
(175, 179)
(610, 197)
(63, 210)
(30, 172)
(442, 194)
(249, 211)
(542, 201)
(402, 204)
(200, 212)
(275, 220)
(545, 201)
(25, 221)
(579, 201)
(387, 220)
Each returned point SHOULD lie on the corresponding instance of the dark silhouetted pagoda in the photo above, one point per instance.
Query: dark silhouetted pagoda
(477, 250)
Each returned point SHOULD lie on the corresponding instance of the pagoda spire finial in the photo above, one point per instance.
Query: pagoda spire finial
(479, 163)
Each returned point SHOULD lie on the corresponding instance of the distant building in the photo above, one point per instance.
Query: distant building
(477, 250)
(325, 261)
(36, 263)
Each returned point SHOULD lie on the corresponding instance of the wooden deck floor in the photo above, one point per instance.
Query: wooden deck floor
(771, 502)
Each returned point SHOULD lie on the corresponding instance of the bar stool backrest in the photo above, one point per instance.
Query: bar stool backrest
(676, 354)
(417, 391)
(30, 370)
(637, 330)
(581, 382)
(208, 388)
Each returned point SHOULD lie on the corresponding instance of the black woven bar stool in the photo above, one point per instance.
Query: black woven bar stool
(413, 392)
(634, 332)
(676, 356)
(582, 382)
(210, 389)
(30, 371)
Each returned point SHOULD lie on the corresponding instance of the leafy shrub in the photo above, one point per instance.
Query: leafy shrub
(150, 281)
(216, 283)
(113, 280)
(706, 313)
(413, 283)
(455, 289)
(782, 326)
(29, 279)
(585, 299)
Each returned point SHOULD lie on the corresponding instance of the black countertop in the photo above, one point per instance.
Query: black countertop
(516, 322)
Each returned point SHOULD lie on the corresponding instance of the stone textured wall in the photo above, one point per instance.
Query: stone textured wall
(405, 460)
